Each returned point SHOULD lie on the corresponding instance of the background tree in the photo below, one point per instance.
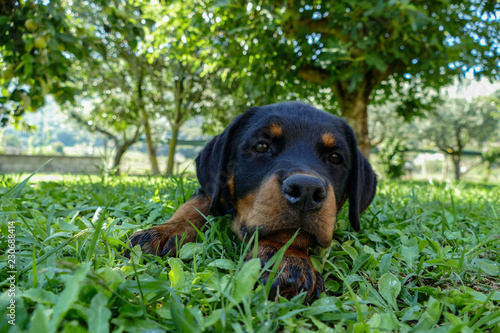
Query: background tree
(490, 156)
(180, 93)
(359, 50)
(457, 124)
(121, 29)
(393, 136)
(108, 106)
(184, 64)
(38, 45)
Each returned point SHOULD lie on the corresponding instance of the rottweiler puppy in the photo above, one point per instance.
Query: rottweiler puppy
(276, 169)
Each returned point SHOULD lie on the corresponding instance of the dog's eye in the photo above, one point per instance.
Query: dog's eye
(261, 148)
(335, 158)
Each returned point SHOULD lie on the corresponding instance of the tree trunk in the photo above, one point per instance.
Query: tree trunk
(106, 148)
(353, 102)
(147, 129)
(354, 107)
(172, 146)
(120, 151)
(487, 170)
(456, 165)
(457, 154)
(149, 143)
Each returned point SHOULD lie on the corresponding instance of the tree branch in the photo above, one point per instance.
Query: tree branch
(93, 127)
(313, 74)
(131, 141)
(319, 26)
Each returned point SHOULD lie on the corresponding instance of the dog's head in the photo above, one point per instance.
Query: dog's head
(284, 167)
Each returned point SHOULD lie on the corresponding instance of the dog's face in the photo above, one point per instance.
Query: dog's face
(285, 167)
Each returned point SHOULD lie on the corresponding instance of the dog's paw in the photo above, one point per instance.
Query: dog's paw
(295, 273)
(161, 240)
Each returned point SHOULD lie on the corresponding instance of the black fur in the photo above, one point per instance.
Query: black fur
(297, 150)
(362, 183)
(215, 164)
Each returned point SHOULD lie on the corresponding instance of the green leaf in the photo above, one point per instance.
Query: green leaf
(385, 322)
(189, 250)
(430, 317)
(409, 250)
(488, 267)
(223, 263)
(350, 251)
(323, 305)
(374, 60)
(39, 322)
(68, 296)
(360, 261)
(246, 279)
(385, 263)
(41, 296)
(99, 314)
(49, 219)
(65, 38)
(19, 187)
(176, 273)
(490, 320)
(97, 223)
(321, 326)
(389, 287)
(28, 68)
(136, 254)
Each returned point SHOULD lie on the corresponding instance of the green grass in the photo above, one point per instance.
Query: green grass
(426, 260)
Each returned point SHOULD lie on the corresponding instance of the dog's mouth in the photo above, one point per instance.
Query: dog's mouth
(303, 239)
(269, 211)
(307, 234)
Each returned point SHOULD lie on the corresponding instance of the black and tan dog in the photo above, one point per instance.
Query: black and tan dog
(278, 168)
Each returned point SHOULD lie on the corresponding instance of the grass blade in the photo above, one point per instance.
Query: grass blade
(68, 297)
(19, 187)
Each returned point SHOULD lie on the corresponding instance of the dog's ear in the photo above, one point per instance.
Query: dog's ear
(215, 164)
(362, 184)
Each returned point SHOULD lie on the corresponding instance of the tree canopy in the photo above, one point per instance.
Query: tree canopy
(458, 124)
(177, 59)
(184, 63)
(38, 45)
(362, 51)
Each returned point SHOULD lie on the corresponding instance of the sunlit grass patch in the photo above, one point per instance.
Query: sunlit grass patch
(426, 259)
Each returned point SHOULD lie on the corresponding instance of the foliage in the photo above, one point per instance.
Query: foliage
(113, 119)
(12, 141)
(256, 53)
(114, 78)
(360, 50)
(393, 136)
(491, 156)
(38, 45)
(58, 147)
(183, 65)
(491, 152)
(458, 123)
(427, 259)
(391, 155)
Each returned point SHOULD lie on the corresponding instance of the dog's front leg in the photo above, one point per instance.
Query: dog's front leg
(165, 239)
(295, 273)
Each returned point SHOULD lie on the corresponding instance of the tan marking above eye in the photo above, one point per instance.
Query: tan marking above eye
(276, 130)
(328, 140)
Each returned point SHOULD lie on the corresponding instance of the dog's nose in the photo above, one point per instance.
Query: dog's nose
(304, 191)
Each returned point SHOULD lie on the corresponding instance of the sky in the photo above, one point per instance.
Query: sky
(473, 89)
